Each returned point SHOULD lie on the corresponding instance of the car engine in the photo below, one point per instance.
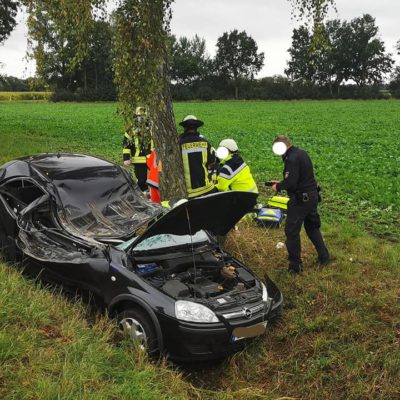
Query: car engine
(202, 275)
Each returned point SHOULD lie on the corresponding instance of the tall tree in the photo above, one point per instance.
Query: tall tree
(369, 62)
(312, 10)
(395, 77)
(141, 74)
(326, 65)
(351, 52)
(59, 33)
(237, 57)
(140, 64)
(189, 60)
(96, 70)
(300, 66)
(8, 12)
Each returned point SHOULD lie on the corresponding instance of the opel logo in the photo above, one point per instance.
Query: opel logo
(247, 313)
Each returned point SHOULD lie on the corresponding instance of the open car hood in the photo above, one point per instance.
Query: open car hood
(217, 213)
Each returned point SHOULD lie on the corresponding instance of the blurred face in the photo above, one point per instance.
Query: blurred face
(222, 152)
(279, 148)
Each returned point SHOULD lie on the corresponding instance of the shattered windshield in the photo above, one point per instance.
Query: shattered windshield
(165, 240)
(100, 202)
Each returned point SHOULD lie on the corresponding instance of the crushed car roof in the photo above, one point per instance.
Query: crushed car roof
(95, 198)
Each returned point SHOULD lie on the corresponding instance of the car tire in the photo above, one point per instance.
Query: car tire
(136, 324)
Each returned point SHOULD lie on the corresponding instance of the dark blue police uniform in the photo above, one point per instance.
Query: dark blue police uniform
(301, 186)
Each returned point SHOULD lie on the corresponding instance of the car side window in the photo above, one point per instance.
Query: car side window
(19, 193)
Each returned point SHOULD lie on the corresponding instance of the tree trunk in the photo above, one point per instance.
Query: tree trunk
(85, 78)
(96, 86)
(330, 88)
(166, 142)
(236, 91)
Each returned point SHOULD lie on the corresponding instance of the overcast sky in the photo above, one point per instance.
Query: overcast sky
(267, 21)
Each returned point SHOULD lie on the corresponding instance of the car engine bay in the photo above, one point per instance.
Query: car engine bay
(209, 276)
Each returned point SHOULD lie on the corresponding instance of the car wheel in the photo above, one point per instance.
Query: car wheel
(136, 325)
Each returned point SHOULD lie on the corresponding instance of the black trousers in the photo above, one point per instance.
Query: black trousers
(141, 175)
(306, 213)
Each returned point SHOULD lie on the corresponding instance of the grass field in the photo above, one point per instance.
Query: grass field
(354, 144)
(339, 337)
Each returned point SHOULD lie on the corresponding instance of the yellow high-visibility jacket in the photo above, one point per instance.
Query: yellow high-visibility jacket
(234, 174)
(136, 146)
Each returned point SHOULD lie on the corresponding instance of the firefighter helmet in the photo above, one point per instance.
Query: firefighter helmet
(191, 120)
(230, 144)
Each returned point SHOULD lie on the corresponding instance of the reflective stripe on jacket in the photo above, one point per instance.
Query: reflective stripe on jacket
(198, 157)
(152, 165)
(135, 147)
(234, 174)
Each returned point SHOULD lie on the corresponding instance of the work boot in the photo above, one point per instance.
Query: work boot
(324, 261)
(295, 268)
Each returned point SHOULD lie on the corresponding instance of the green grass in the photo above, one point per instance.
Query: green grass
(48, 350)
(339, 337)
(354, 144)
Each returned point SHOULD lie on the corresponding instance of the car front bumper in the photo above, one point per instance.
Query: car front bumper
(198, 342)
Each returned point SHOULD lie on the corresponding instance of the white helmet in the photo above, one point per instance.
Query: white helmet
(140, 110)
(230, 144)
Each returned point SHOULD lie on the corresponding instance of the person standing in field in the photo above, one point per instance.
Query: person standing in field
(152, 177)
(137, 145)
(233, 173)
(300, 183)
(198, 159)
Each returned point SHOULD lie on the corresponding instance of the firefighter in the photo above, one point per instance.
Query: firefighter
(301, 186)
(137, 145)
(152, 177)
(198, 159)
(233, 172)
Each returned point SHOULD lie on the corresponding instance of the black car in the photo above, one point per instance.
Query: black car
(82, 222)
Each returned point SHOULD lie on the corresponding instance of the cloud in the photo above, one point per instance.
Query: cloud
(267, 21)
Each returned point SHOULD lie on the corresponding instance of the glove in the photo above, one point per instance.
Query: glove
(127, 163)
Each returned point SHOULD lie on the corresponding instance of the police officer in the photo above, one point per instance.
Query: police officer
(301, 186)
(233, 172)
(198, 159)
(137, 145)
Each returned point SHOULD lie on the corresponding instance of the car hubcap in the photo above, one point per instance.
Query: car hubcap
(134, 329)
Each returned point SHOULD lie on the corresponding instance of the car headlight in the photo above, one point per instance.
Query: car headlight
(193, 312)
(264, 292)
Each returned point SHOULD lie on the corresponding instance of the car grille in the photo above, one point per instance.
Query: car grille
(245, 312)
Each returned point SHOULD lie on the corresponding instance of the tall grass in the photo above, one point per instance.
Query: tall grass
(50, 350)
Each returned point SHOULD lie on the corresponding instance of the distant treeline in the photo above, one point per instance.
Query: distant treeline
(269, 88)
(346, 60)
(278, 88)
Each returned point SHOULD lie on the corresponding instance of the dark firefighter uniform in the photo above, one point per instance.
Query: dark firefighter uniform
(198, 158)
(301, 186)
(137, 145)
(234, 174)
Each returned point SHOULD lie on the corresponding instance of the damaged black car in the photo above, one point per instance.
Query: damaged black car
(80, 221)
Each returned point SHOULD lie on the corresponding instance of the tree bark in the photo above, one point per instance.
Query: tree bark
(166, 142)
(85, 78)
(96, 86)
